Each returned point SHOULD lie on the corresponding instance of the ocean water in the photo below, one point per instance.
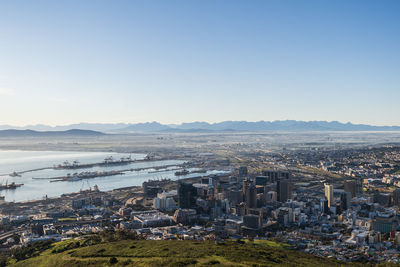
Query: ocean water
(34, 189)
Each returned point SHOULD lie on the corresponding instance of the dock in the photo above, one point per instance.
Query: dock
(107, 162)
(91, 175)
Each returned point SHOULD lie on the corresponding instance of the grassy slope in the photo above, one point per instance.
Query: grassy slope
(178, 253)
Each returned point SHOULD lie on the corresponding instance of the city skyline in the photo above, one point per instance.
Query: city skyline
(176, 61)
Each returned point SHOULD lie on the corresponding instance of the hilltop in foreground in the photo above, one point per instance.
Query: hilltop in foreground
(174, 253)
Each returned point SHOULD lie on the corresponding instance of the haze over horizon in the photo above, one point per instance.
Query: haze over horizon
(180, 61)
(184, 122)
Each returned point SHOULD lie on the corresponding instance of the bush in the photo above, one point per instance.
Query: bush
(62, 248)
(112, 236)
(31, 250)
(113, 260)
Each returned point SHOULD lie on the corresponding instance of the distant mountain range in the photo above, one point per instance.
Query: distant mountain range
(32, 133)
(259, 126)
(101, 127)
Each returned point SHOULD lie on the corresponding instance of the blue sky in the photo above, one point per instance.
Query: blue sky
(65, 62)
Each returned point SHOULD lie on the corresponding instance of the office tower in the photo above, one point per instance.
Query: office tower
(243, 171)
(285, 216)
(351, 187)
(384, 223)
(261, 180)
(251, 196)
(383, 199)
(345, 200)
(186, 195)
(236, 197)
(324, 205)
(396, 197)
(359, 186)
(329, 194)
(252, 221)
(284, 189)
(246, 184)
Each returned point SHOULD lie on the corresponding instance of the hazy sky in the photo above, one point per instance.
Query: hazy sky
(178, 61)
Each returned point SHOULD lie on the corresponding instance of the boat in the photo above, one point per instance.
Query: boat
(182, 172)
(10, 186)
(109, 159)
(74, 178)
(199, 171)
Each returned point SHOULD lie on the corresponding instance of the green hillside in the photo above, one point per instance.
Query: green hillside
(173, 253)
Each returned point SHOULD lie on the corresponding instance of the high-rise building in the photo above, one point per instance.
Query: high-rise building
(384, 223)
(324, 205)
(285, 216)
(185, 216)
(261, 180)
(243, 171)
(329, 194)
(252, 221)
(246, 184)
(284, 190)
(383, 199)
(236, 197)
(162, 202)
(187, 194)
(345, 200)
(351, 187)
(396, 197)
(251, 196)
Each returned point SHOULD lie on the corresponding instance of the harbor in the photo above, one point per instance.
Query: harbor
(107, 162)
(96, 174)
(40, 164)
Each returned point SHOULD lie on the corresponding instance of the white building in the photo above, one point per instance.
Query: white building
(165, 201)
(329, 194)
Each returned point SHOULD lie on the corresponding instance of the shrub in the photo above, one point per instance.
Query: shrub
(113, 260)
(31, 250)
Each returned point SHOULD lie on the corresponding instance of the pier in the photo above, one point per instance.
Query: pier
(107, 162)
(91, 175)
